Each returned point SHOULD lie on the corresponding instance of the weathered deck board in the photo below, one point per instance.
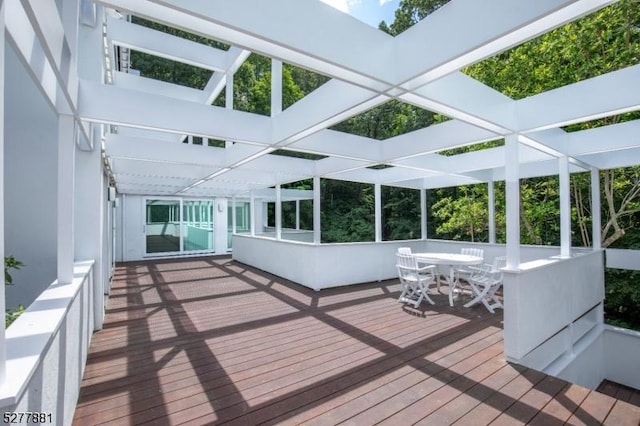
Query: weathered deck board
(208, 340)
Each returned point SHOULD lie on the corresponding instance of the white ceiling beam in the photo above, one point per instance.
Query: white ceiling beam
(114, 105)
(437, 137)
(462, 97)
(612, 160)
(605, 139)
(234, 59)
(329, 104)
(48, 26)
(150, 85)
(602, 96)
(31, 52)
(119, 146)
(330, 165)
(157, 43)
(35, 29)
(340, 144)
(476, 30)
(261, 27)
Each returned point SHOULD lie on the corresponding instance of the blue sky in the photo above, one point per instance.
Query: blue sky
(369, 11)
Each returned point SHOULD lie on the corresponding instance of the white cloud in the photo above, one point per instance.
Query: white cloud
(383, 2)
(343, 5)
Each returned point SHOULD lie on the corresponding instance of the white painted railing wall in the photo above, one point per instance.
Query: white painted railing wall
(47, 349)
(553, 306)
(321, 266)
(553, 314)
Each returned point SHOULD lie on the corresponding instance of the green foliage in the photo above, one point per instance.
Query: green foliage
(400, 213)
(410, 12)
(347, 211)
(622, 298)
(12, 314)
(10, 262)
(390, 119)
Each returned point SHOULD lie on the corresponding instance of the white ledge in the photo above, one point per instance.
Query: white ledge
(28, 338)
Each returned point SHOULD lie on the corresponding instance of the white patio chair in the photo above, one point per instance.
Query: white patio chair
(465, 271)
(485, 281)
(415, 280)
(404, 250)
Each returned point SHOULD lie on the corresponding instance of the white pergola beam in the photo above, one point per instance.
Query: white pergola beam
(329, 104)
(604, 139)
(162, 151)
(113, 105)
(489, 27)
(149, 85)
(157, 43)
(450, 134)
(461, 97)
(340, 144)
(261, 27)
(602, 96)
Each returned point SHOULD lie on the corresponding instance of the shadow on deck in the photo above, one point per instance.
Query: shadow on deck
(209, 340)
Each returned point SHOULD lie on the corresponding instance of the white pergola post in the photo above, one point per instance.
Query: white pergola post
(66, 170)
(565, 207)
(3, 346)
(596, 219)
(276, 87)
(512, 195)
(234, 219)
(297, 215)
(278, 212)
(492, 211)
(252, 215)
(377, 190)
(91, 220)
(228, 100)
(317, 235)
(423, 214)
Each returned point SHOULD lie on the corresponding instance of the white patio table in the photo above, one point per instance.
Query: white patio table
(451, 259)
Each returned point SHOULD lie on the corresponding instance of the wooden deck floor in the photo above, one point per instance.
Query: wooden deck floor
(208, 340)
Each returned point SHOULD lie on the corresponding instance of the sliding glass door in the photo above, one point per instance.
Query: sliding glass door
(162, 226)
(197, 225)
(178, 226)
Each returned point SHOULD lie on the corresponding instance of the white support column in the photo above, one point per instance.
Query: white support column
(66, 170)
(3, 346)
(423, 214)
(278, 212)
(297, 215)
(228, 100)
(596, 220)
(252, 213)
(276, 87)
(234, 219)
(565, 207)
(377, 191)
(317, 234)
(91, 221)
(491, 205)
(512, 195)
